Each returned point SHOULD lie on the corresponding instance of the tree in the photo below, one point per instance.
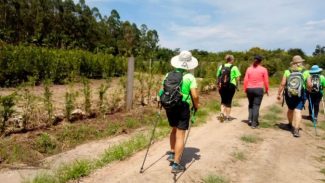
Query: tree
(319, 50)
(296, 51)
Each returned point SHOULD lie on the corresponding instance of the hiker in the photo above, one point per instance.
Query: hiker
(316, 94)
(296, 80)
(228, 77)
(256, 79)
(178, 109)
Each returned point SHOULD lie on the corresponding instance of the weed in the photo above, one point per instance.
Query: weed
(112, 128)
(271, 117)
(87, 95)
(250, 138)
(132, 123)
(6, 109)
(75, 170)
(45, 144)
(214, 179)
(213, 106)
(73, 135)
(69, 104)
(43, 178)
(322, 171)
(320, 159)
(48, 99)
(29, 101)
(239, 156)
(101, 94)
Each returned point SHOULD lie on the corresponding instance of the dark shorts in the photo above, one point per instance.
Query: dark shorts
(227, 93)
(295, 102)
(179, 116)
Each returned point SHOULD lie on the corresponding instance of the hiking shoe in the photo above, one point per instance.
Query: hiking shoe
(176, 168)
(296, 132)
(249, 123)
(221, 117)
(171, 157)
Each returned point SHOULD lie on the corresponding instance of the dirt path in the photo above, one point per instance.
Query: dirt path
(277, 157)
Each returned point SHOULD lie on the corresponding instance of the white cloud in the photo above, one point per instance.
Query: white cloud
(217, 25)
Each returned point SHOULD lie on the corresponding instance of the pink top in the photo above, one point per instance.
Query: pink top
(256, 77)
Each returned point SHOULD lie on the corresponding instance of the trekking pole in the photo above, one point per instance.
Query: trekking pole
(189, 130)
(151, 139)
(323, 105)
(193, 111)
(312, 115)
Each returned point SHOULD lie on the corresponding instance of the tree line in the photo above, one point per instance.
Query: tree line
(64, 24)
(55, 39)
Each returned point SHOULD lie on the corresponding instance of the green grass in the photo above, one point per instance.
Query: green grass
(45, 143)
(132, 123)
(239, 156)
(73, 135)
(322, 171)
(250, 138)
(272, 117)
(320, 159)
(74, 171)
(78, 169)
(119, 152)
(214, 179)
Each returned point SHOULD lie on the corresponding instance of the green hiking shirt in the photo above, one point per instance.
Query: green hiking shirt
(189, 82)
(234, 73)
(305, 75)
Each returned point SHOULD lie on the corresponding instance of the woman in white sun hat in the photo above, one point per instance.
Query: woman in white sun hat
(177, 100)
(295, 82)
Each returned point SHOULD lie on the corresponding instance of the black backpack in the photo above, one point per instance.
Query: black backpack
(316, 85)
(171, 95)
(295, 82)
(224, 78)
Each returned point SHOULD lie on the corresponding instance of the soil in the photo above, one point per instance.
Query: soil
(276, 157)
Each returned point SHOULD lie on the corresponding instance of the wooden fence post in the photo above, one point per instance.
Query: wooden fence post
(129, 86)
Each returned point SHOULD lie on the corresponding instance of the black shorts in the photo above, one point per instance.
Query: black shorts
(179, 116)
(227, 93)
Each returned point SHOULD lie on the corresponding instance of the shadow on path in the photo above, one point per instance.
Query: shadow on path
(189, 157)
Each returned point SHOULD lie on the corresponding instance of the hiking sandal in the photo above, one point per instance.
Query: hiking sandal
(221, 117)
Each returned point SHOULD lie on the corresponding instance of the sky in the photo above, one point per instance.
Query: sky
(220, 25)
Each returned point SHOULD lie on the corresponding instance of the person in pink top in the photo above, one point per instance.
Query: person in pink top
(256, 79)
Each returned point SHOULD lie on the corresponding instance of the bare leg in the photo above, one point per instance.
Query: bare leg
(179, 146)
(172, 139)
(223, 109)
(297, 117)
(228, 110)
(290, 116)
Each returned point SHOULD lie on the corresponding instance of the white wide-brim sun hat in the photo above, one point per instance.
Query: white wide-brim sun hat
(184, 60)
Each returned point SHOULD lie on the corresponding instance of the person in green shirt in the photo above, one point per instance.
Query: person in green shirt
(228, 77)
(179, 115)
(316, 94)
(295, 101)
